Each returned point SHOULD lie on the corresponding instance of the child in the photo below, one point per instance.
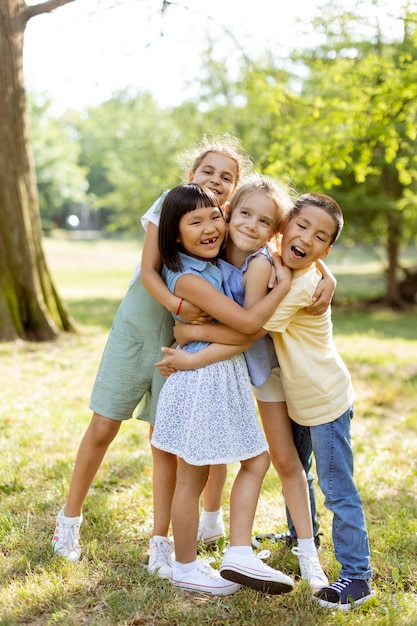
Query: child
(127, 374)
(309, 361)
(254, 216)
(207, 416)
(319, 393)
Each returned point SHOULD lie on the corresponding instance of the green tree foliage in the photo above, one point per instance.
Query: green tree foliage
(129, 145)
(353, 129)
(62, 183)
(338, 118)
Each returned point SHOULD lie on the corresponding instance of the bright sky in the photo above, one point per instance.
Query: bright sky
(81, 53)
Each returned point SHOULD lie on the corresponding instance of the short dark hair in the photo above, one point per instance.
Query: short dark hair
(178, 202)
(321, 201)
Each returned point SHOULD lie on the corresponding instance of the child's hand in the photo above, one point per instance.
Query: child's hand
(280, 272)
(174, 359)
(323, 295)
(183, 333)
(193, 314)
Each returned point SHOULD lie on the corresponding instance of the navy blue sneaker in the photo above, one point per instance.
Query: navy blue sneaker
(285, 537)
(344, 594)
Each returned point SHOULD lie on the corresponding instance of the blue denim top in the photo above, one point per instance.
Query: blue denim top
(205, 269)
(261, 356)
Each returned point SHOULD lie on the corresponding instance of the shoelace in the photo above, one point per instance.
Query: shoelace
(70, 536)
(340, 584)
(163, 551)
(205, 567)
(263, 554)
(313, 562)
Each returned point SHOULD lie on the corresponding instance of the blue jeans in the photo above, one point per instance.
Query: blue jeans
(331, 445)
(305, 452)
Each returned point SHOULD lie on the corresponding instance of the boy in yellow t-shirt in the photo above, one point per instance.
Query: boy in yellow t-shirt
(319, 392)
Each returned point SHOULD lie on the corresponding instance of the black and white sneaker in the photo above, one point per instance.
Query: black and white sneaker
(285, 537)
(344, 594)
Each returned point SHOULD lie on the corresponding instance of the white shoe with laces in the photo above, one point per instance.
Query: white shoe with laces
(65, 541)
(161, 551)
(311, 569)
(249, 570)
(210, 533)
(203, 578)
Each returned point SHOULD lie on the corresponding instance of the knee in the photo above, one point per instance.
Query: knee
(162, 459)
(103, 430)
(266, 461)
(258, 465)
(286, 465)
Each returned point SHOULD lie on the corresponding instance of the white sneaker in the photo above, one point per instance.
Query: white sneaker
(65, 541)
(310, 569)
(161, 550)
(210, 534)
(250, 571)
(203, 578)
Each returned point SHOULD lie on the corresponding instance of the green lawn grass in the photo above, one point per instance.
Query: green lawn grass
(44, 397)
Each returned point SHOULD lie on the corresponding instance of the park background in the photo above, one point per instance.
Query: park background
(336, 115)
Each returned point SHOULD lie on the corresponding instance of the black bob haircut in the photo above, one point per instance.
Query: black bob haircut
(179, 201)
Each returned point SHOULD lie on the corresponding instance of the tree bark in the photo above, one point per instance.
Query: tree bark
(30, 307)
(393, 294)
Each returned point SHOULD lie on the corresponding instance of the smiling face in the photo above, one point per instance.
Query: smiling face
(201, 232)
(307, 236)
(218, 173)
(252, 222)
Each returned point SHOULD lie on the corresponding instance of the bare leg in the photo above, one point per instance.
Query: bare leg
(164, 476)
(185, 509)
(213, 491)
(284, 456)
(100, 433)
(244, 498)
(240, 564)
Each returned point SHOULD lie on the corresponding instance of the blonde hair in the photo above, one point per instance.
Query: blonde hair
(222, 143)
(280, 195)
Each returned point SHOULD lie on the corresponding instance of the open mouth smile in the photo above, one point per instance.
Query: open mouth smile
(297, 252)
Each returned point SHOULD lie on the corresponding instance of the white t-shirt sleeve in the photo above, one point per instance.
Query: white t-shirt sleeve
(152, 215)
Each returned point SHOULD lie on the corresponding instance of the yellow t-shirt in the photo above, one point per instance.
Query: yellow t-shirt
(317, 384)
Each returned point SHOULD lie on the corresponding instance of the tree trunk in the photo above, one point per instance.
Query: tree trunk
(393, 294)
(408, 287)
(392, 190)
(30, 307)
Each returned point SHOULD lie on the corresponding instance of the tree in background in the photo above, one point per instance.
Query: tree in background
(61, 181)
(30, 307)
(341, 118)
(353, 129)
(128, 146)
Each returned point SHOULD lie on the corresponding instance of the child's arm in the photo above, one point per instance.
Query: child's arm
(201, 293)
(256, 287)
(213, 333)
(324, 292)
(177, 359)
(154, 284)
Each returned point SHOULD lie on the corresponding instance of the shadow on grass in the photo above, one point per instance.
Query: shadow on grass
(94, 311)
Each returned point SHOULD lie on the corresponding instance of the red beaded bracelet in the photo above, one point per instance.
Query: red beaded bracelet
(179, 306)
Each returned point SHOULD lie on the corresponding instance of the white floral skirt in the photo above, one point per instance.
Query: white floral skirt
(207, 416)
